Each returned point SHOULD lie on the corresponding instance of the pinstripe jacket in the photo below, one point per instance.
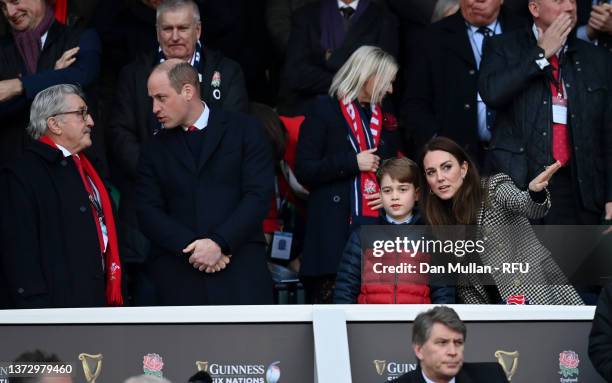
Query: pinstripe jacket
(508, 237)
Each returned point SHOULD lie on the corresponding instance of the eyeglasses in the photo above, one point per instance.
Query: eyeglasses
(83, 112)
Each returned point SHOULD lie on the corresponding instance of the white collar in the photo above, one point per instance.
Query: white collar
(535, 31)
(404, 222)
(352, 5)
(202, 121)
(427, 380)
(65, 151)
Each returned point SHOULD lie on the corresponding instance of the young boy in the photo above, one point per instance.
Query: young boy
(400, 181)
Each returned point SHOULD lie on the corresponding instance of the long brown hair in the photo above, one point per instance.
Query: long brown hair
(466, 202)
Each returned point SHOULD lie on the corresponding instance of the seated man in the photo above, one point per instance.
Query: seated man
(39, 52)
(58, 235)
(438, 339)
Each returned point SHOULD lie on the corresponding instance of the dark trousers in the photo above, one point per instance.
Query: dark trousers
(566, 209)
(319, 289)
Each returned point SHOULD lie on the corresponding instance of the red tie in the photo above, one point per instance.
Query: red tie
(192, 128)
(560, 133)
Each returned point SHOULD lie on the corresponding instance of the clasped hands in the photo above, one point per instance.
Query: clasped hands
(206, 256)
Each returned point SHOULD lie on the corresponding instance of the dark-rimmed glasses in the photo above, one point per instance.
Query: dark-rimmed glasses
(83, 112)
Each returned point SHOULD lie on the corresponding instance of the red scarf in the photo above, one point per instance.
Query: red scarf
(112, 262)
(61, 11)
(362, 139)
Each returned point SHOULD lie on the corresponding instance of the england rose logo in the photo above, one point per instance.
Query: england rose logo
(152, 364)
(370, 186)
(568, 364)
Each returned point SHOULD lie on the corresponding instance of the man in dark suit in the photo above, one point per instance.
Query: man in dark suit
(323, 36)
(58, 233)
(438, 339)
(441, 92)
(204, 188)
(132, 123)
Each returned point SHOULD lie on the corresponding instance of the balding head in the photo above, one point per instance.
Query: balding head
(175, 90)
(180, 73)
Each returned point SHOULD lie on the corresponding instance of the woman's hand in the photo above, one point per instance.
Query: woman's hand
(374, 201)
(541, 181)
(368, 161)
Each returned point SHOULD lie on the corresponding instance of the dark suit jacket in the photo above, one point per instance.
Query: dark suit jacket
(50, 250)
(469, 373)
(442, 83)
(307, 72)
(224, 196)
(326, 165)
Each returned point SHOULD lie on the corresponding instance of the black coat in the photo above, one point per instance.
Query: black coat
(326, 165)
(225, 196)
(50, 250)
(600, 339)
(512, 83)
(469, 373)
(133, 123)
(84, 71)
(308, 73)
(442, 84)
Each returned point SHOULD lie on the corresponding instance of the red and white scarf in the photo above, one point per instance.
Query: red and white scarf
(111, 255)
(361, 139)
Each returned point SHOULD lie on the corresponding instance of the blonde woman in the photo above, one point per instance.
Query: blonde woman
(341, 143)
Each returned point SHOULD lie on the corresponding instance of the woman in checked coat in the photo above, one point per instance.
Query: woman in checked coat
(456, 195)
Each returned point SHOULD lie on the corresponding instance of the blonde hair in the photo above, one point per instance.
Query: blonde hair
(365, 63)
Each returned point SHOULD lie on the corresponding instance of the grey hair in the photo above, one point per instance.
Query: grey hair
(47, 103)
(423, 323)
(441, 8)
(173, 5)
(365, 63)
(146, 379)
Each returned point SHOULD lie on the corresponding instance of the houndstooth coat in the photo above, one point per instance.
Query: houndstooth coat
(508, 235)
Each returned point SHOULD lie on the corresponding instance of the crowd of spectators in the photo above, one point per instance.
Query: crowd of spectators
(521, 87)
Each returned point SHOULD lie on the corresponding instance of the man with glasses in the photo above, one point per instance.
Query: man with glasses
(58, 233)
(39, 52)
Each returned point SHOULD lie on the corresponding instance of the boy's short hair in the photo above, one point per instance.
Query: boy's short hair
(401, 169)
